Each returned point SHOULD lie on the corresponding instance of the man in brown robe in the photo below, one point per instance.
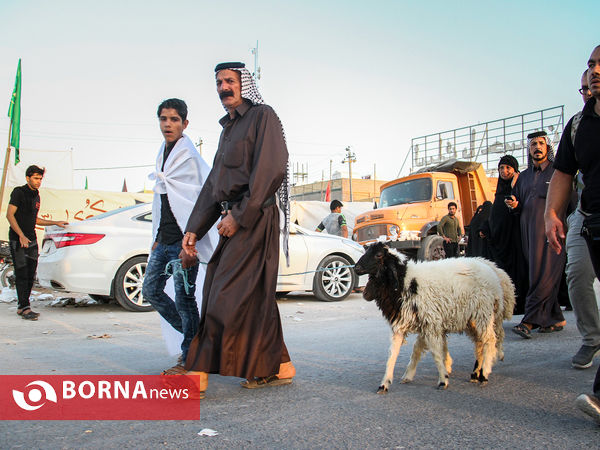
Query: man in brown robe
(240, 330)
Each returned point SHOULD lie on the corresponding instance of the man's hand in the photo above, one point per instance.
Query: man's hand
(512, 203)
(188, 244)
(24, 240)
(61, 223)
(154, 245)
(447, 240)
(555, 231)
(187, 261)
(227, 226)
(482, 235)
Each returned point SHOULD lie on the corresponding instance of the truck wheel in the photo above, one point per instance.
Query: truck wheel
(336, 282)
(128, 285)
(432, 248)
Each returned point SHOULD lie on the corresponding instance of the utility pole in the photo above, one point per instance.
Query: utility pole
(300, 174)
(199, 145)
(374, 182)
(350, 158)
(256, 73)
(322, 181)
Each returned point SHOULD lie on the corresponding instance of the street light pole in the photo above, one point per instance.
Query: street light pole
(350, 158)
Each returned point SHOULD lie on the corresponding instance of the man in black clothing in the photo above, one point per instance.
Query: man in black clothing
(22, 216)
(583, 155)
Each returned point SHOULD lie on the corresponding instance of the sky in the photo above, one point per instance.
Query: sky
(369, 75)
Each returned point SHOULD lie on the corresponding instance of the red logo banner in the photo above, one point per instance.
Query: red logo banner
(99, 397)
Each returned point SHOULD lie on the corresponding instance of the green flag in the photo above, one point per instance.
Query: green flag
(86, 186)
(14, 112)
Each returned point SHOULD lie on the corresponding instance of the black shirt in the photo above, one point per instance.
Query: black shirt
(27, 201)
(585, 156)
(168, 230)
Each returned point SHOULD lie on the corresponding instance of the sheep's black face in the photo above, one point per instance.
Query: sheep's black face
(372, 262)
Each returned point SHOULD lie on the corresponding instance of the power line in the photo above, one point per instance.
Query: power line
(119, 167)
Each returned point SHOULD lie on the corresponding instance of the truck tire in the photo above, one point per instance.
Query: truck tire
(432, 248)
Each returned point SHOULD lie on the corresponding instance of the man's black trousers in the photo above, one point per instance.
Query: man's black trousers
(25, 261)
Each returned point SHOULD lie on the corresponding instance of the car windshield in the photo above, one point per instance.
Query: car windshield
(418, 190)
(115, 211)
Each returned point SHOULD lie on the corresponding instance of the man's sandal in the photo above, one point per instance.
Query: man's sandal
(260, 382)
(550, 329)
(522, 331)
(28, 314)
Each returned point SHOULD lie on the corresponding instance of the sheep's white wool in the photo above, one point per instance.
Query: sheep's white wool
(401, 256)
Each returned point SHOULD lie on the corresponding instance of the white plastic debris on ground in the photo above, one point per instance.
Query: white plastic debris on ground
(45, 297)
(208, 432)
(8, 295)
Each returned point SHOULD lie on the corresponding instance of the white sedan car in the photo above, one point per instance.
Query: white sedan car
(105, 256)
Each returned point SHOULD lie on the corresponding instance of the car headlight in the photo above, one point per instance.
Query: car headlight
(394, 230)
(355, 236)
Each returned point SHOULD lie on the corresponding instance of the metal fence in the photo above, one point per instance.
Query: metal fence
(486, 142)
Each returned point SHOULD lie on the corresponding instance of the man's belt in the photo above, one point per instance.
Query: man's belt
(228, 204)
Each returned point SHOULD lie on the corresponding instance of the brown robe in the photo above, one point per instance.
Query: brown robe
(240, 329)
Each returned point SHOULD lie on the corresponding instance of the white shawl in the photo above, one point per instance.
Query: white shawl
(182, 179)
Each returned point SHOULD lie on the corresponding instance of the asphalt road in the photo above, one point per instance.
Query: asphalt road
(339, 350)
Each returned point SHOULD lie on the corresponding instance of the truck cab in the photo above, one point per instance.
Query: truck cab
(411, 207)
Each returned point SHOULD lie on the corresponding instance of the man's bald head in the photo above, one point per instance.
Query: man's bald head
(585, 89)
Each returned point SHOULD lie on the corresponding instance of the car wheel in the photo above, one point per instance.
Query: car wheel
(432, 248)
(128, 285)
(336, 282)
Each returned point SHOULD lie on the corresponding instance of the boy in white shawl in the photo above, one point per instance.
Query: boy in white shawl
(180, 174)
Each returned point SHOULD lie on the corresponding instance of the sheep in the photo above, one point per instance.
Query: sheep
(457, 295)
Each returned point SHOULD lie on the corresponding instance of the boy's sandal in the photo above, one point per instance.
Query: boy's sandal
(260, 382)
(522, 331)
(177, 369)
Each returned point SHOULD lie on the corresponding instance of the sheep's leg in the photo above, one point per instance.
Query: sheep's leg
(448, 358)
(478, 361)
(489, 353)
(388, 378)
(499, 338)
(436, 346)
(417, 351)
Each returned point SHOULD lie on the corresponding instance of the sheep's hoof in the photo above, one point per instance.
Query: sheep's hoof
(482, 378)
(483, 383)
(442, 386)
(474, 377)
(382, 390)
(405, 380)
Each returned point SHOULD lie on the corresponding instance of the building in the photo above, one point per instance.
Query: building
(363, 190)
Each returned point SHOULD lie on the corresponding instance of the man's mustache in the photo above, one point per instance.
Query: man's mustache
(224, 94)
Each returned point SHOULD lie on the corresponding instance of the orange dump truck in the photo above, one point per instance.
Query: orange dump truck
(411, 207)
